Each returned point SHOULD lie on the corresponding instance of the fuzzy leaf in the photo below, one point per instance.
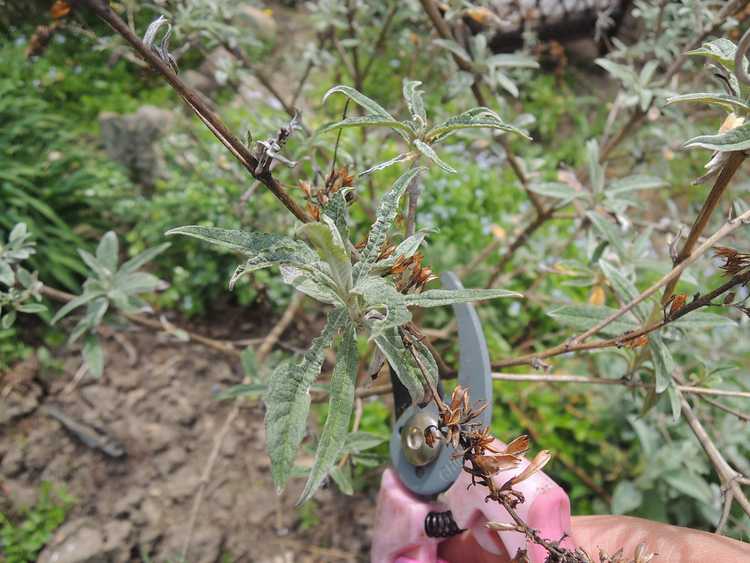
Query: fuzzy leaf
(325, 238)
(406, 249)
(556, 189)
(146, 256)
(402, 363)
(454, 48)
(336, 209)
(310, 284)
(242, 390)
(73, 304)
(380, 294)
(633, 183)
(727, 101)
(360, 99)
(702, 320)
(479, 117)
(737, 139)
(107, 251)
(430, 153)
(7, 276)
(625, 289)
(386, 214)
(438, 297)
(369, 121)
(608, 230)
(247, 243)
(357, 442)
(341, 401)
(512, 60)
(583, 317)
(596, 171)
(413, 97)
(343, 479)
(663, 362)
(404, 157)
(720, 50)
(93, 355)
(288, 401)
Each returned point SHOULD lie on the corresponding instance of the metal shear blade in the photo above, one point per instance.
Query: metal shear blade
(429, 471)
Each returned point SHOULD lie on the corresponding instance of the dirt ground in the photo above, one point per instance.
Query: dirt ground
(158, 403)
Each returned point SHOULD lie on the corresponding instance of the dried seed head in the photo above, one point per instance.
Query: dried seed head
(491, 464)
(540, 460)
(306, 188)
(502, 526)
(734, 261)
(60, 9)
(676, 303)
(518, 446)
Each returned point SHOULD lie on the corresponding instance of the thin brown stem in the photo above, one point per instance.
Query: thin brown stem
(197, 104)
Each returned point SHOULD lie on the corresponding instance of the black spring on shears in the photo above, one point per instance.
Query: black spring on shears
(441, 525)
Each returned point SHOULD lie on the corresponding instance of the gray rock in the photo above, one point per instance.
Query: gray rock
(131, 141)
(78, 541)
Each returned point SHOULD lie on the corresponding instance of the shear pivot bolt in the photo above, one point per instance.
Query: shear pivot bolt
(416, 450)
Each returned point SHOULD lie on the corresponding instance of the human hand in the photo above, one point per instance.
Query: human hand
(671, 544)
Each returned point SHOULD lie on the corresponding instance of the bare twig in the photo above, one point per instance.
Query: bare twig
(562, 378)
(197, 104)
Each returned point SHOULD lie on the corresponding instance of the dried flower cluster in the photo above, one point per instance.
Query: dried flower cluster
(735, 262)
(319, 197)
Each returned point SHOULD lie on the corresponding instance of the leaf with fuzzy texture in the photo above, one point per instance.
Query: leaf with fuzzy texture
(357, 442)
(439, 297)
(663, 362)
(583, 317)
(360, 99)
(556, 189)
(74, 303)
(608, 230)
(336, 209)
(720, 50)
(146, 256)
(727, 101)
(406, 249)
(454, 48)
(392, 347)
(414, 100)
(369, 121)
(404, 157)
(625, 289)
(479, 117)
(310, 283)
(737, 139)
(93, 355)
(380, 294)
(341, 401)
(430, 153)
(288, 401)
(107, 251)
(386, 214)
(634, 183)
(325, 238)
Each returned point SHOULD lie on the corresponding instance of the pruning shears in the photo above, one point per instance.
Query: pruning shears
(426, 497)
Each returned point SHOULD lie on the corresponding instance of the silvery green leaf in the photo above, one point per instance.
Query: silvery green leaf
(325, 238)
(430, 153)
(663, 362)
(139, 260)
(136, 282)
(8, 319)
(703, 320)
(414, 100)
(623, 73)
(674, 401)
(31, 308)
(512, 60)
(242, 390)
(360, 99)
(608, 230)
(555, 189)
(340, 404)
(343, 479)
(74, 303)
(402, 363)
(737, 139)
(386, 214)
(633, 183)
(305, 281)
(357, 442)
(94, 264)
(247, 243)
(18, 232)
(249, 362)
(439, 297)
(107, 251)
(596, 172)
(720, 50)
(727, 101)
(93, 355)
(584, 317)
(504, 81)
(336, 209)
(647, 72)
(404, 157)
(625, 289)
(369, 121)
(690, 484)
(26, 278)
(7, 276)
(479, 117)
(454, 48)
(288, 401)
(380, 294)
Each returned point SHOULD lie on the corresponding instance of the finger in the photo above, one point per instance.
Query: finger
(672, 544)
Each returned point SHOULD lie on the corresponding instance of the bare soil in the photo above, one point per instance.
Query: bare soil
(159, 404)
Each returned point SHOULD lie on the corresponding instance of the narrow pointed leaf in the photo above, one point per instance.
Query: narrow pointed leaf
(430, 153)
(107, 251)
(368, 121)
(414, 100)
(634, 183)
(340, 404)
(727, 101)
(583, 317)
(663, 362)
(608, 230)
(325, 238)
(439, 297)
(360, 99)
(93, 355)
(144, 257)
(404, 157)
(399, 359)
(479, 117)
(288, 401)
(73, 304)
(737, 139)
(720, 50)
(625, 289)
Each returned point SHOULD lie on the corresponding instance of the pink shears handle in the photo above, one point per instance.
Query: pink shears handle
(399, 533)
